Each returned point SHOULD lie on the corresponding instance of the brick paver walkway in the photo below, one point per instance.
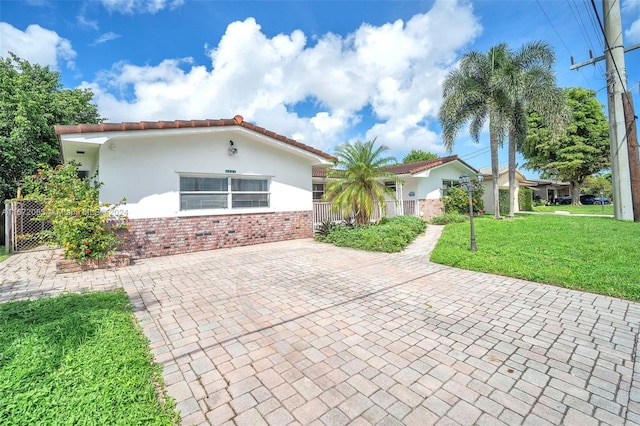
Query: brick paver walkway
(306, 333)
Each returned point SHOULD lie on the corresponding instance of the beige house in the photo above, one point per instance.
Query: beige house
(420, 192)
(503, 183)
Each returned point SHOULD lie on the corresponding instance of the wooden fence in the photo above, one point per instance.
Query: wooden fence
(322, 211)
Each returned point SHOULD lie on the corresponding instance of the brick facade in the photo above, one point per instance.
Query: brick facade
(65, 266)
(430, 208)
(175, 235)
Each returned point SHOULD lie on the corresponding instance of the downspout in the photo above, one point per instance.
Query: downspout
(400, 199)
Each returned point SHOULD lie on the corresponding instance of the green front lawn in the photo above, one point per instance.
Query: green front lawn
(586, 209)
(78, 359)
(3, 257)
(598, 255)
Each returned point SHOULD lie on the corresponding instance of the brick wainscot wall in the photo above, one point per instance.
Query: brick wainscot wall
(430, 208)
(175, 235)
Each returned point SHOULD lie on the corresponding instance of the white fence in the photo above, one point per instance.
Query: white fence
(322, 211)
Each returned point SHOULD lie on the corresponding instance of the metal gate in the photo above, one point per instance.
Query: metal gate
(23, 231)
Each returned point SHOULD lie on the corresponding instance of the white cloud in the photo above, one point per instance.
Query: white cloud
(394, 69)
(87, 23)
(632, 34)
(140, 6)
(106, 37)
(36, 45)
(630, 6)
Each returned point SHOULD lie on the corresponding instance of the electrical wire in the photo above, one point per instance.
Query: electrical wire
(585, 33)
(599, 38)
(562, 41)
(606, 42)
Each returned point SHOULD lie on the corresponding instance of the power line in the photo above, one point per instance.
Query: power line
(606, 42)
(561, 40)
(583, 29)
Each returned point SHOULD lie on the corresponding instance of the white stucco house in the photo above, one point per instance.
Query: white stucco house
(424, 183)
(198, 184)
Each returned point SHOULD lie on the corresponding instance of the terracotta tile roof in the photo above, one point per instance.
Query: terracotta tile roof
(238, 120)
(405, 168)
(318, 172)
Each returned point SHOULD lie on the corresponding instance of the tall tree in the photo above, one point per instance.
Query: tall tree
(597, 184)
(359, 180)
(32, 100)
(418, 155)
(581, 151)
(475, 93)
(530, 83)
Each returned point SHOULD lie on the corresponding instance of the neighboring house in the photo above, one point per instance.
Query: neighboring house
(549, 190)
(503, 183)
(423, 185)
(199, 184)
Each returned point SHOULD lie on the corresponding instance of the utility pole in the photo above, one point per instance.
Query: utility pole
(616, 86)
(622, 134)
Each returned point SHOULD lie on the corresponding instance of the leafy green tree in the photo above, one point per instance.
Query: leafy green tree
(530, 84)
(32, 100)
(418, 155)
(359, 183)
(597, 183)
(474, 93)
(581, 151)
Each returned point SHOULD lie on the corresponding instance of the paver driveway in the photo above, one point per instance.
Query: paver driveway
(303, 332)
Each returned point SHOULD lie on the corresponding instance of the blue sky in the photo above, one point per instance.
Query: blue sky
(322, 72)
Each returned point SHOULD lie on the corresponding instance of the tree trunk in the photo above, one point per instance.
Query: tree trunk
(493, 138)
(575, 193)
(512, 170)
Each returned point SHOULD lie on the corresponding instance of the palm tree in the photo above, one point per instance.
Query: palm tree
(531, 85)
(359, 180)
(475, 93)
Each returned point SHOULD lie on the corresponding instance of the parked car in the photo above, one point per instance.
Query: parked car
(587, 199)
(601, 200)
(584, 199)
(564, 200)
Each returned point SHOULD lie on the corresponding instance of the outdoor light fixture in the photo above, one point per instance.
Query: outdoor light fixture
(465, 181)
(232, 149)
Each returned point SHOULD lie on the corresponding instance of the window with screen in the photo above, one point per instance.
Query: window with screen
(197, 192)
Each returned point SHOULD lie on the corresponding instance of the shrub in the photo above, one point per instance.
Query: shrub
(525, 199)
(457, 199)
(525, 202)
(79, 221)
(390, 235)
(503, 199)
(325, 227)
(449, 218)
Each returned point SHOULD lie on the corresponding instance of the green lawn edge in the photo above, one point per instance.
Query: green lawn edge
(79, 359)
(593, 254)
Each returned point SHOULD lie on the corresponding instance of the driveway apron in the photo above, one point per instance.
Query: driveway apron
(301, 332)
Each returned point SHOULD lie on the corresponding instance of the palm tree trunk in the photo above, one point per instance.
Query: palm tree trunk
(493, 138)
(512, 170)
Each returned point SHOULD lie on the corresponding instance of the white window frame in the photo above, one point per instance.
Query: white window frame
(316, 191)
(229, 193)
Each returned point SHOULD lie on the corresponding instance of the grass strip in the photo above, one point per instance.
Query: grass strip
(598, 255)
(78, 359)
